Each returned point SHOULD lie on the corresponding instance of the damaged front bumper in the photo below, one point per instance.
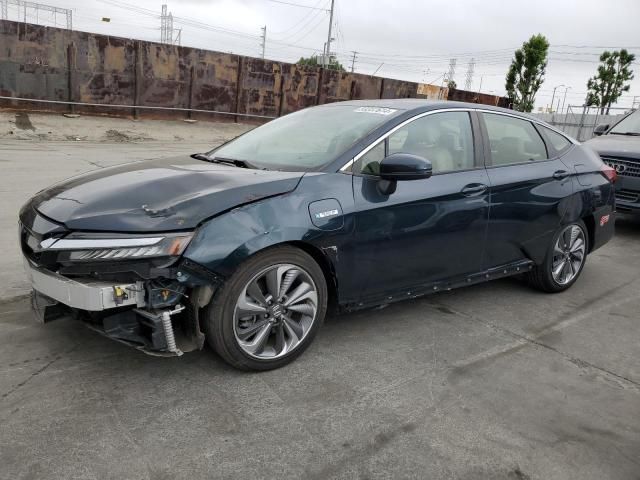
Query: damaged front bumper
(155, 319)
(89, 295)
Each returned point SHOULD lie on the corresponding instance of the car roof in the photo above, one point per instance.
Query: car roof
(421, 105)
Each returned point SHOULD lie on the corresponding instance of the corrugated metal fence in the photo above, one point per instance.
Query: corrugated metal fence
(91, 70)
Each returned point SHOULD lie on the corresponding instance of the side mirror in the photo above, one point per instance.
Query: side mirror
(405, 166)
(402, 166)
(600, 129)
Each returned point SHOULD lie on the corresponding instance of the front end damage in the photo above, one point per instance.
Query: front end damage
(152, 303)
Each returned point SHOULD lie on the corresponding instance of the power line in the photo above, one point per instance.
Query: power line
(306, 18)
(297, 5)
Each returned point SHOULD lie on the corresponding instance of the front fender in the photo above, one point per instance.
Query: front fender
(223, 242)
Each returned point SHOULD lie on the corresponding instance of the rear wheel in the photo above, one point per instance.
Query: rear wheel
(270, 309)
(564, 260)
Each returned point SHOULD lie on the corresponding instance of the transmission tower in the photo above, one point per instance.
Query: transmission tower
(263, 39)
(31, 12)
(470, 69)
(452, 70)
(166, 26)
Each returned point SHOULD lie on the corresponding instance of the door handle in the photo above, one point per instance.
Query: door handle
(474, 189)
(561, 174)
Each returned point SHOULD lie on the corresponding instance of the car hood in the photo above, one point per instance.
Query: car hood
(159, 195)
(621, 146)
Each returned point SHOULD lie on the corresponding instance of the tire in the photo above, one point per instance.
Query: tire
(238, 317)
(543, 277)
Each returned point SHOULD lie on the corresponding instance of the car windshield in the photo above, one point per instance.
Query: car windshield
(628, 126)
(304, 140)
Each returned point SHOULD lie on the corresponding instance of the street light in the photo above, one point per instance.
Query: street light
(565, 98)
(554, 95)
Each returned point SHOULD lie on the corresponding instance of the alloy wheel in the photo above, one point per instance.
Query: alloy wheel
(275, 311)
(568, 254)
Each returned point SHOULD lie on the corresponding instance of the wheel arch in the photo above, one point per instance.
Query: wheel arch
(320, 256)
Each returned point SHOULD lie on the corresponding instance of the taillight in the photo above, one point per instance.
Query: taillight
(609, 173)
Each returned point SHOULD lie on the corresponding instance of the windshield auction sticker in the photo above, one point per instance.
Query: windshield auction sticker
(378, 110)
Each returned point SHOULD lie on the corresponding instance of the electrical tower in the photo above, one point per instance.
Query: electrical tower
(31, 12)
(166, 26)
(452, 71)
(470, 69)
(263, 36)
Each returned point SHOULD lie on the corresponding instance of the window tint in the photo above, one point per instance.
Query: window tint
(559, 142)
(513, 140)
(445, 139)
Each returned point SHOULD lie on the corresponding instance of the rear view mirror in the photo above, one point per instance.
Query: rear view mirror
(601, 129)
(405, 166)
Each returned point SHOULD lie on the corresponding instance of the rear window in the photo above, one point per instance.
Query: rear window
(513, 140)
(559, 142)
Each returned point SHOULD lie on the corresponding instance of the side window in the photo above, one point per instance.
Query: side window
(445, 139)
(559, 142)
(369, 163)
(513, 140)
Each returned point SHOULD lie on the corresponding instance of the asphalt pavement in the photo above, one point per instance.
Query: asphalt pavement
(494, 381)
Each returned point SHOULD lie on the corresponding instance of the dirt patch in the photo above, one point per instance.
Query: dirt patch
(124, 136)
(23, 122)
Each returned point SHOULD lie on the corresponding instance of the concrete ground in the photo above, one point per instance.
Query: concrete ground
(495, 381)
(38, 150)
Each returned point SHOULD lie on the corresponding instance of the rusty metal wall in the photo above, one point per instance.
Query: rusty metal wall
(47, 63)
(475, 97)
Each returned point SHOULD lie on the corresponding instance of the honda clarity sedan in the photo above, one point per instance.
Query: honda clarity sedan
(334, 208)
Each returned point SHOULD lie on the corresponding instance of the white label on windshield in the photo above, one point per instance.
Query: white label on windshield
(378, 110)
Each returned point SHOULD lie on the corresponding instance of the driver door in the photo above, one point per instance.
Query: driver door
(430, 230)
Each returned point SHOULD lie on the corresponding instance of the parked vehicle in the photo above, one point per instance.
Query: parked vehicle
(342, 207)
(619, 147)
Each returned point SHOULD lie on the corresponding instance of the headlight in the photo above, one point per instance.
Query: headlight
(94, 247)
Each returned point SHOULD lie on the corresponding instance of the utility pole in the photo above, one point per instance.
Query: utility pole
(353, 60)
(328, 49)
(263, 44)
(4, 10)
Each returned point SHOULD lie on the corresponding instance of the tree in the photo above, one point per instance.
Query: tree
(608, 84)
(526, 73)
(313, 61)
(452, 85)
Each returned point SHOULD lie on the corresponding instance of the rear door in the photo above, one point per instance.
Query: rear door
(530, 190)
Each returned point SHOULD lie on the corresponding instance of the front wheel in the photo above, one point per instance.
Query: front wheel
(270, 309)
(564, 260)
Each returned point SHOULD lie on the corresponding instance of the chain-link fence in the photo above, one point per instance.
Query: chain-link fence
(579, 121)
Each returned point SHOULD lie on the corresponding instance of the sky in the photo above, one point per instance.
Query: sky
(406, 39)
